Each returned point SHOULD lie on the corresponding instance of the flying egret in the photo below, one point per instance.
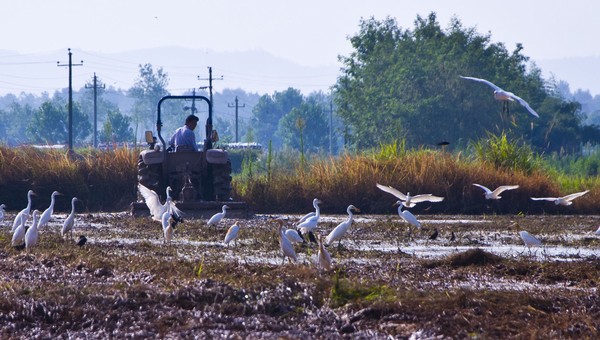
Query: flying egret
(216, 218)
(287, 250)
(70, 220)
(232, 234)
(408, 200)
(24, 212)
(338, 232)
(47, 214)
(2, 212)
(565, 200)
(19, 232)
(495, 195)
(505, 96)
(529, 239)
(153, 202)
(32, 234)
(407, 215)
(323, 256)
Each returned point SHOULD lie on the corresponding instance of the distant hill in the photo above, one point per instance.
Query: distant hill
(253, 71)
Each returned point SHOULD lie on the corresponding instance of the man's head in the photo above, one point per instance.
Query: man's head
(191, 121)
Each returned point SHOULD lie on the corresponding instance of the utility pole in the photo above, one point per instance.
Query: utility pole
(95, 86)
(236, 116)
(210, 87)
(330, 127)
(70, 64)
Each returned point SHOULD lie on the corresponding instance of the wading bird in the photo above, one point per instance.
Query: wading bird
(69, 221)
(312, 213)
(32, 235)
(434, 235)
(495, 195)
(408, 200)
(338, 232)
(166, 226)
(504, 96)
(323, 256)
(310, 223)
(232, 234)
(25, 212)
(565, 200)
(407, 215)
(529, 239)
(287, 250)
(216, 218)
(156, 208)
(19, 233)
(2, 212)
(47, 214)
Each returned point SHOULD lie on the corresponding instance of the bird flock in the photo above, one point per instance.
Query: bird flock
(25, 236)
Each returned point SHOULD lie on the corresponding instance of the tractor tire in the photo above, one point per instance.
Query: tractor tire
(222, 181)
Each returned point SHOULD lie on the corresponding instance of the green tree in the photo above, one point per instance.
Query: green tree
(13, 123)
(314, 132)
(49, 124)
(148, 89)
(404, 84)
(116, 128)
(269, 110)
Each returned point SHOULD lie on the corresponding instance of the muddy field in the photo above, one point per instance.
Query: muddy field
(387, 280)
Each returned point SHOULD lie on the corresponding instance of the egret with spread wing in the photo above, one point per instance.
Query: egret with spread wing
(408, 200)
(505, 96)
(565, 200)
(156, 208)
(495, 195)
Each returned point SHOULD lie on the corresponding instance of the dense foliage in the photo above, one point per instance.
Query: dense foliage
(402, 83)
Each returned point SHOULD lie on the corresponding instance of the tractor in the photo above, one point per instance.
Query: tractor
(200, 181)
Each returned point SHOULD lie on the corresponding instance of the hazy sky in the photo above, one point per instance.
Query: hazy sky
(307, 32)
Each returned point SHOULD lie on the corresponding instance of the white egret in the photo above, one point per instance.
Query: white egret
(407, 215)
(19, 233)
(32, 234)
(166, 226)
(338, 232)
(24, 212)
(529, 239)
(287, 250)
(495, 195)
(216, 218)
(2, 212)
(47, 214)
(323, 256)
(408, 200)
(232, 234)
(312, 213)
(505, 96)
(565, 200)
(309, 224)
(293, 235)
(156, 208)
(70, 220)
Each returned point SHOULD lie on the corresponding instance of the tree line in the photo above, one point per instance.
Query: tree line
(397, 85)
